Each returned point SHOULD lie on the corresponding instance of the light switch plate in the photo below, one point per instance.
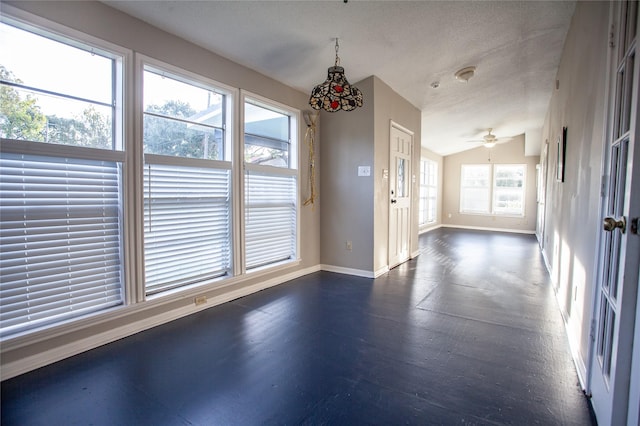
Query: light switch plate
(364, 170)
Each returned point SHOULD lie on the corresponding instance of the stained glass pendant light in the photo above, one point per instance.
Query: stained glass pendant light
(335, 93)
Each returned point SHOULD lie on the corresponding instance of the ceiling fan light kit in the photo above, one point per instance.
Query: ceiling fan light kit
(335, 93)
(465, 74)
(489, 140)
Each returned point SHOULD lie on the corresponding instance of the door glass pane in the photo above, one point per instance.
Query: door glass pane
(611, 320)
(601, 326)
(617, 210)
(631, 17)
(605, 336)
(625, 100)
(401, 181)
(619, 123)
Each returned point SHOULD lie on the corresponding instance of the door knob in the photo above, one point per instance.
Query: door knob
(393, 201)
(610, 223)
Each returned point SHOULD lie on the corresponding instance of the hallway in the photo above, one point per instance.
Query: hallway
(468, 333)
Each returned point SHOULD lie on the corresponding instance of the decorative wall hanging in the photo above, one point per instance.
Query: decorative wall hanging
(562, 152)
(310, 136)
(335, 93)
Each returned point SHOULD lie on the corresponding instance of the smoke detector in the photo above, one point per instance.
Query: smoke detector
(464, 75)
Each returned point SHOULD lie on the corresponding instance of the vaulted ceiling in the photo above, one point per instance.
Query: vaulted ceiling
(411, 45)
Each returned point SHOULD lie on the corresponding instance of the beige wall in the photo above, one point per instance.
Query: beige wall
(572, 215)
(389, 106)
(98, 20)
(505, 153)
(356, 208)
(430, 155)
(347, 142)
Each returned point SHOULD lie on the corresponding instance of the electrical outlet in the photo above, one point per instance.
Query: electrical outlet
(200, 300)
(348, 246)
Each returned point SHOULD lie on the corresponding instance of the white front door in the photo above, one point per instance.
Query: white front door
(400, 189)
(615, 310)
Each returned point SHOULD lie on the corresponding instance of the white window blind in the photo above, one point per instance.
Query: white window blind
(186, 225)
(60, 239)
(270, 217)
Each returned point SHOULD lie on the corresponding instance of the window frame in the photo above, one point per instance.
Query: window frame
(292, 170)
(428, 169)
(120, 152)
(129, 127)
(144, 63)
(488, 168)
(492, 191)
(496, 190)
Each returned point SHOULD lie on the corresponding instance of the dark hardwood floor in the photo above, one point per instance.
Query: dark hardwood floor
(468, 333)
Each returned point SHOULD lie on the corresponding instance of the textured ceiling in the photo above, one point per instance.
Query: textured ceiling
(515, 45)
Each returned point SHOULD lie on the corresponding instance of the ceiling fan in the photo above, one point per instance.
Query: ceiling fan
(490, 140)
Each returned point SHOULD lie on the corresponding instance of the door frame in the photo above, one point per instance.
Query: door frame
(541, 191)
(410, 187)
(620, 396)
(633, 415)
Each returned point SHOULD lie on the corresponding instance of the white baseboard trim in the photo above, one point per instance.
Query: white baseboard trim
(429, 228)
(579, 363)
(573, 346)
(57, 353)
(381, 271)
(351, 271)
(415, 254)
(481, 228)
(581, 367)
(546, 261)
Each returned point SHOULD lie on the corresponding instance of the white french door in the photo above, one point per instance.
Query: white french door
(400, 189)
(615, 310)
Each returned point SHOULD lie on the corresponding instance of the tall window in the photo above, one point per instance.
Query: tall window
(187, 182)
(60, 178)
(271, 184)
(428, 192)
(497, 189)
(508, 189)
(207, 205)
